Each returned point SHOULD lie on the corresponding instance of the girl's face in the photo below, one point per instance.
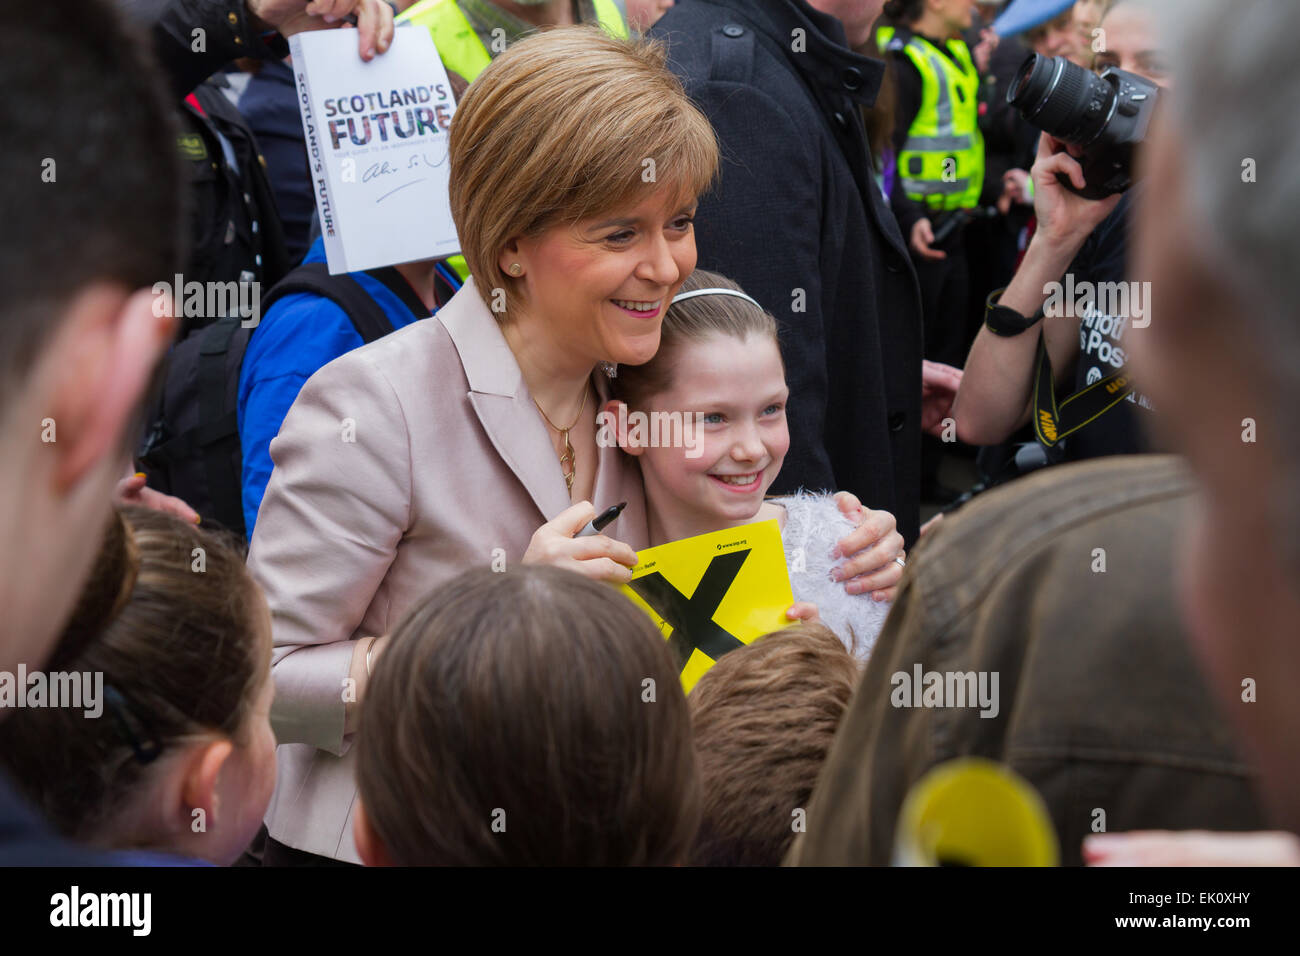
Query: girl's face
(737, 387)
(597, 289)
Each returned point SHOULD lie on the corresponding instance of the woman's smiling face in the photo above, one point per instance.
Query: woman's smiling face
(600, 286)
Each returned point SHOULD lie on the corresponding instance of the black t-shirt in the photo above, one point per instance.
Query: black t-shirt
(1102, 327)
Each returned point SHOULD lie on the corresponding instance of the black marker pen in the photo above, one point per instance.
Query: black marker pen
(598, 524)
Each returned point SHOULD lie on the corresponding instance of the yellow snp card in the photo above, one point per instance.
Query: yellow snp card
(713, 593)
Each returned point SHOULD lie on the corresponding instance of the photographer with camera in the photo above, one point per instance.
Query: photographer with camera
(1069, 292)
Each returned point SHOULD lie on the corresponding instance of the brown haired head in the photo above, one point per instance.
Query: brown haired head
(692, 320)
(513, 721)
(764, 717)
(178, 637)
(565, 125)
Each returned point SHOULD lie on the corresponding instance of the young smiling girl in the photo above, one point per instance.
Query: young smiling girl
(719, 365)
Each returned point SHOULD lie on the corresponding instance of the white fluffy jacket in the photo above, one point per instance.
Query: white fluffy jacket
(813, 524)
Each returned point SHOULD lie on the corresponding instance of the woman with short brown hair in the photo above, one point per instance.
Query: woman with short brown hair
(576, 160)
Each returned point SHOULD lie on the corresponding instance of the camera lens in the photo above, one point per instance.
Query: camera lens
(1071, 103)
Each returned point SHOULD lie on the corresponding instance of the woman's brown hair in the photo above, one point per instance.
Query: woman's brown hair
(171, 619)
(565, 125)
(691, 320)
(531, 717)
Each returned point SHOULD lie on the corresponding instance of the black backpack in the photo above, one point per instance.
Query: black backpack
(191, 447)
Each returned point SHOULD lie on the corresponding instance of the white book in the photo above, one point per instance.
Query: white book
(376, 137)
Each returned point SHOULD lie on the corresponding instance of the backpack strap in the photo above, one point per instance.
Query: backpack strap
(366, 315)
(396, 283)
(216, 419)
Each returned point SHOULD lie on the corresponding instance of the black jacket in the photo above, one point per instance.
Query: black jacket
(798, 220)
(235, 231)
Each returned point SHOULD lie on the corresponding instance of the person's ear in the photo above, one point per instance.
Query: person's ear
(101, 363)
(512, 259)
(199, 786)
(369, 847)
(613, 420)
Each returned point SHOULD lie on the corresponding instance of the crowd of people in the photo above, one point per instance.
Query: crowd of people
(325, 584)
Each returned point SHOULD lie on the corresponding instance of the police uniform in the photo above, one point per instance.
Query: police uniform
(940, 171)
(464, 32)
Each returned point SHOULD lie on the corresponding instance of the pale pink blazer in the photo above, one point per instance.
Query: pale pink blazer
(400, 465)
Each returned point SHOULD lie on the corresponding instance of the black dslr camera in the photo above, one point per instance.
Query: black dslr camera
(1106, 115)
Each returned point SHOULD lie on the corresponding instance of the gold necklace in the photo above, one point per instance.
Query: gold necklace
(568, 458)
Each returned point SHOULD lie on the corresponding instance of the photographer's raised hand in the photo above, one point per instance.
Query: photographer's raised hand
(1065, 219)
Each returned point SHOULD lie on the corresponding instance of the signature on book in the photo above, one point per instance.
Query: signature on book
(417, 162)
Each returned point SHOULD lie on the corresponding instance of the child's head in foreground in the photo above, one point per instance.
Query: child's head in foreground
(171, 747)
(764, 717)
(531, 717)
(718, 359)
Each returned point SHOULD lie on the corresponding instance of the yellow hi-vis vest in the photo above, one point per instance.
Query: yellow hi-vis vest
(942, 162)
(461, 50)
(459, 46)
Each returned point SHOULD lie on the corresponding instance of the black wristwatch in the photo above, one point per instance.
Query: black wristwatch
(1004, 321)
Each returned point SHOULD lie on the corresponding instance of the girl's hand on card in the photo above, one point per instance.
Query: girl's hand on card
(804, 612)
(871, 549)
(595, 556)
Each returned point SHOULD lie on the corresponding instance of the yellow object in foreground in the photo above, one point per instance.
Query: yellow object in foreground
(974, 812)
(713, 593)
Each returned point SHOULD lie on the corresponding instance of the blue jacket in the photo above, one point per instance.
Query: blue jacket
(299, 335)
(26, 840)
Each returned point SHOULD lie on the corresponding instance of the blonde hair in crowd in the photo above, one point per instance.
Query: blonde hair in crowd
(565, 125)
(764, 718)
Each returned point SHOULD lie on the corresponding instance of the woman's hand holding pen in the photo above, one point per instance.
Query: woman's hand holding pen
(594, 555)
